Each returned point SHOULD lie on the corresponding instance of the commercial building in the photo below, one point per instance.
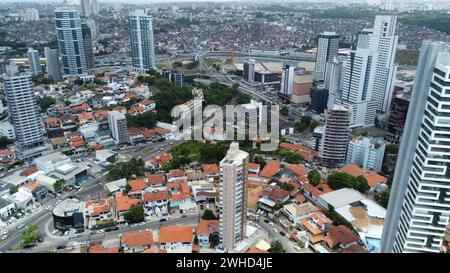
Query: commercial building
(68, 214)
(70, 41)
(88, 48)
(335, 136)
(142, 44)
(117, 123)
(397, 116)
(418, 211)
(53, 65)
(24, 115)
(303, 82)
(175, 76)
(249, 70)
(7, 130)
(319, 99)
(327, 49)
(368, 73)
(332, 81)
(29, 15)
(34, 62)
(233, 196)
(287, 78)
(366, 152)
(89, 8)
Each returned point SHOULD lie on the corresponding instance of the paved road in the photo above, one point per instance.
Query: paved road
(51, 243)
(275, 235)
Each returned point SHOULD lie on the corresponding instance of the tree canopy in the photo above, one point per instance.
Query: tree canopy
(30, 237)
(46, 102)
(276, 247)
(314, 177)
(127, 169)
(136, 214)
(339, 180)
(208, 215)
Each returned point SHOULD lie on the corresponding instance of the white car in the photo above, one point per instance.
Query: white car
(4, 237)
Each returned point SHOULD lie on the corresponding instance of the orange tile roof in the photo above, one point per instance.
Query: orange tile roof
(31, 186)
(340, 235)
(176, 234)
(160, 158)
(253, 166)
(300, 198)
(185, 188)
(175, 173)
(85, 116)
(138, 184)
(100, 206)
(158, 178)
(156, 196)
(304, 151)
(137, 109)
(300, 171)
(98, 248)
(352, 169)
(6, 152)
(124, 203)
(311, 189)
(137, 238)
(173, 185)
(101, 114)
(146, 102)
(206, 227)
(210, 168)
(154, 251)
(30, 170)
(255, 250)
(180, 196)
(310, 227)
(271, 168)
(372, 177)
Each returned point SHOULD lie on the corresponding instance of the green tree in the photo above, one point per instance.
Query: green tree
(4, 141)
(127, 169)
(276, 247)
(13, 190)
(314, 177)
(208, 215)
(243, 99)
(300, 243)
(260, 160)
(59, 185)
(361, 184)
(383, 197)
(339, 180)
(136, 214)
(46, 102)
(30, 237)
(284, 111)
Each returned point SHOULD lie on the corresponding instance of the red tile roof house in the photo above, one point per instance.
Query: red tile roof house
(124, 204)
(271, 196)
(212, 171)
(158, 160)
(7, 154)
(149, 105)
(176, 239)
(98, 210)
(156, 180)
(340, 237)
(254, 168)
(137, 187)
(311, 193)
(204, 229)
(176, 176)
(156, 203)
(137, 241)
(268, 172)
(98, 248)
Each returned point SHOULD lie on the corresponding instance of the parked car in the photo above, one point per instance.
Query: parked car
(162, 220)
(282, 233)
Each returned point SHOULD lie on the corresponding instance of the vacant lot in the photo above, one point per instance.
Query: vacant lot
(254, 192)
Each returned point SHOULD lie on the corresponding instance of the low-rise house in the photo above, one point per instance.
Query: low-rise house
(137, 187)
(205, 229)
(176, 239)
(270, 197)
(7, 208)
(296, 213)
(124, 204)
(269, 171)
(340, 237)
(156, 203)
(137, 241)
(180, 198)
(176, 176)
(148, 105)
(7, 155)
(212, 171)
(311, 192)
(98, 248)
(98, 210)
(204, 193)
(156, 180)
(254, 168)
(158, 160)
(376, 182)
(196, 178)
(35, 190)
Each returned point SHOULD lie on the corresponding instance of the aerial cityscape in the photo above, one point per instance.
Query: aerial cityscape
(282, 126)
